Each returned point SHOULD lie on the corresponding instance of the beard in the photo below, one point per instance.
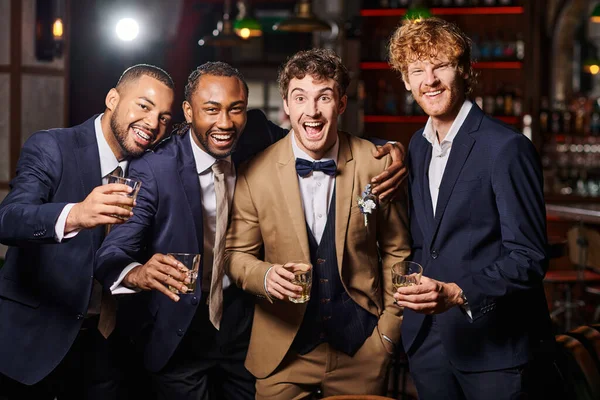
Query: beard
(121, 132)
(203, 139)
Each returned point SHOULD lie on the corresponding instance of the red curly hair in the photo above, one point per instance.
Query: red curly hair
(429, 38)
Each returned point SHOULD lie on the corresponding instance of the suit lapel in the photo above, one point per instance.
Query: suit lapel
(288, 181)
(191, 185)
(344, 187)
(87, 157)
(461, 148)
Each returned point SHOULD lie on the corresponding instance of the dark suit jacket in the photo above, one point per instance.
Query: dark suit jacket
(168, 218)
(45, 286)
(489, 237)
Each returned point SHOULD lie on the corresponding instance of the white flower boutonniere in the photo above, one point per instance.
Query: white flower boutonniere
(367, 203)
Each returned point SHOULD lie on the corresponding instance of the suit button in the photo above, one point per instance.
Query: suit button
(434, 254)
(323, 280)
(194, 300)
(324, 301)
(320, 260)
(327, 318)
(322, 335)
(79, 317)
(179, 332)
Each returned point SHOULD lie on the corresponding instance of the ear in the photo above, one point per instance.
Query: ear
(406, 84)
(187, 111)
(285, 107)
(343, 104)
(112, 99)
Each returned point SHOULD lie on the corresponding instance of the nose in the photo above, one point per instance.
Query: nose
(312, 108)
(151, 120)
(224, 121)
(430, 77)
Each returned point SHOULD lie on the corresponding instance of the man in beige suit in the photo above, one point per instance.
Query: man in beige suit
(298, 200)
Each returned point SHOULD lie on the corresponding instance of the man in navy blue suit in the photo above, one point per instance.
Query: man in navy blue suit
(54, 319)
(476, 325)
(190, 352)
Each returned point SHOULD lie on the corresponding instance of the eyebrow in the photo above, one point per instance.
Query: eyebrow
(148, 100)
(216, 103)
(325, 89)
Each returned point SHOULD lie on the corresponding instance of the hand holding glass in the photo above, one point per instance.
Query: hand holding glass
(302, 277)
(406, 273)
(191, 263)
(135, 185)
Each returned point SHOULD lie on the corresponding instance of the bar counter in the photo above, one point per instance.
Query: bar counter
(588, 213)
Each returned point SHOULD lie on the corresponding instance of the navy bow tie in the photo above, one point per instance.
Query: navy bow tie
(305, 167)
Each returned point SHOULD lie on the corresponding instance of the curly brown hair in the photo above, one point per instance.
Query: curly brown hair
(425, 39)
(318, 63)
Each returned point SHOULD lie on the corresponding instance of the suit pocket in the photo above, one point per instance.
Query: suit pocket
(10, 290)
(467, 185)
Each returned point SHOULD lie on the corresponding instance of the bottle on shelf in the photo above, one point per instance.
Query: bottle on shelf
(544, 116)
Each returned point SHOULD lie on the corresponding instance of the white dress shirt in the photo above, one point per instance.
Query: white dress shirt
(316, 190)
(439, 158)
(108, 163)
(441, 151)
(204, 162)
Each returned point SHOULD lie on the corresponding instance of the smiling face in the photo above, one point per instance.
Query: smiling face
(437, 87)
(313, 107)
(137, 116)
(217, 114)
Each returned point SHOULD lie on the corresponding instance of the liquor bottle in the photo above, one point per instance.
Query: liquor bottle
(390, 101)
(520, 47)
(508, 102)
(489, 3)
(555, 118)
(486, 48)
(498, 47)
(595, 119)
(499, 101)
(544, 116)
(518, 103)
(567, 120)
(488, 102)
(460, 3)
(475, 47)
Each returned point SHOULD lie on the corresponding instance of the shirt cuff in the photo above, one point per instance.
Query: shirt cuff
(59, 227)
(265, 284)
(118, 288)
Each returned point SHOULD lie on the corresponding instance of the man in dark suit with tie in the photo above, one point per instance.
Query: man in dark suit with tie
(192, 349)
(477, 324)
(54, 319)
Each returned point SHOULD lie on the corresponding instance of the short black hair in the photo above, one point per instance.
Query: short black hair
(214, 68)
(135, 72)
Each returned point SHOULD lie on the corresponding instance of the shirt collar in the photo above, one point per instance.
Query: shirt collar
(331, 154)
(108, 161)
(203, 160)
(429, 132)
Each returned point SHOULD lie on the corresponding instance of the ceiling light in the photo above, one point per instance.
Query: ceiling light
(303, 20)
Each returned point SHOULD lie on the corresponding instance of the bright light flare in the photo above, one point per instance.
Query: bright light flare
(127, 29)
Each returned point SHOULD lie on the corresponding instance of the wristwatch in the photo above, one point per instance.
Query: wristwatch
(464, 298)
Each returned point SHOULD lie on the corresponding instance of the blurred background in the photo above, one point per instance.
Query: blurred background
(537, 61)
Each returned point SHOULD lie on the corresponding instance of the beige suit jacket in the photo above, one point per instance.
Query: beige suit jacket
(267, 213)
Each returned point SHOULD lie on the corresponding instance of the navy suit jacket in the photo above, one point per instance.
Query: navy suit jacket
(489, 237)
(45, 286)
(168, 218)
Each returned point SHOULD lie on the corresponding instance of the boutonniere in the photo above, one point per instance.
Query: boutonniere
(367, 203)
